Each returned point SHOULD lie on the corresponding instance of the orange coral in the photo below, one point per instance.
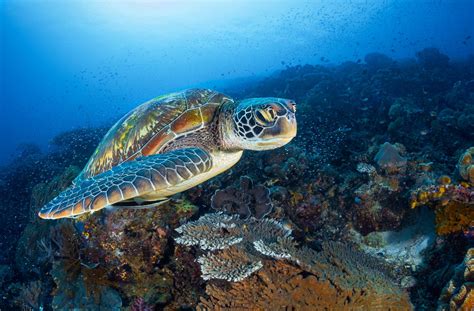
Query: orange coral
(282, 286)
(454, 217)
(453, 204)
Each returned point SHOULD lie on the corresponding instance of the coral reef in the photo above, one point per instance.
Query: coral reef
(256, 240)
(344, 178)
(247, 200)
(140, 305)
(453, 205)
(403, 249)
(458, 294)
(281, 286)
(466, 165)
(233, 265)
(431, 58)
(29, 297)
(388, 158)
(379, 203)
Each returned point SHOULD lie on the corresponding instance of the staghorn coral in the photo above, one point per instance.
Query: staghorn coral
(280, 286)
(247, 200)
(458, 294)
(466, 165)
(453, 205)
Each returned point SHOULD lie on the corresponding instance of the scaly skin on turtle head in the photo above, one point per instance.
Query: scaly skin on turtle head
(258, 123)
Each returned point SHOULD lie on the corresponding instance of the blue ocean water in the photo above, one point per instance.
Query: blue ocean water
(82, 63)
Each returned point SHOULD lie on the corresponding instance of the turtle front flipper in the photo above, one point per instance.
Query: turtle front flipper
(157, 175)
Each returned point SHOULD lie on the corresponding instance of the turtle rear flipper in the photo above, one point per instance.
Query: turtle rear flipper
(157, 174)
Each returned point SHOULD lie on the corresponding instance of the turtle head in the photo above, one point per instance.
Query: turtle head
(260, 123)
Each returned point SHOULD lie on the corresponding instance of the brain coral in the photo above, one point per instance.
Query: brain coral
(466, 165)
(458, 294)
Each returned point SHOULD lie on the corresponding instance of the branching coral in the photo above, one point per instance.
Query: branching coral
(78, 284)
(235, 237)
(458, 294)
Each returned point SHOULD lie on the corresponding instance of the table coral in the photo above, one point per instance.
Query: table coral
(388, 158)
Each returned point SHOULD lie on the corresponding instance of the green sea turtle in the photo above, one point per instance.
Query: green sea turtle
(170, 144)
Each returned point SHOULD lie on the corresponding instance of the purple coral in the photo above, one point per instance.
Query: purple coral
(246, 200)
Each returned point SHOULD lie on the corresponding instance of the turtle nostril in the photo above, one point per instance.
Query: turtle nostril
(291, 105)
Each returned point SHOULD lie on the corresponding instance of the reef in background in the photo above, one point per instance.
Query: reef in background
(369, 169)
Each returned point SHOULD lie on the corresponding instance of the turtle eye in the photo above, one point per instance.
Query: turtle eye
(266, 115)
